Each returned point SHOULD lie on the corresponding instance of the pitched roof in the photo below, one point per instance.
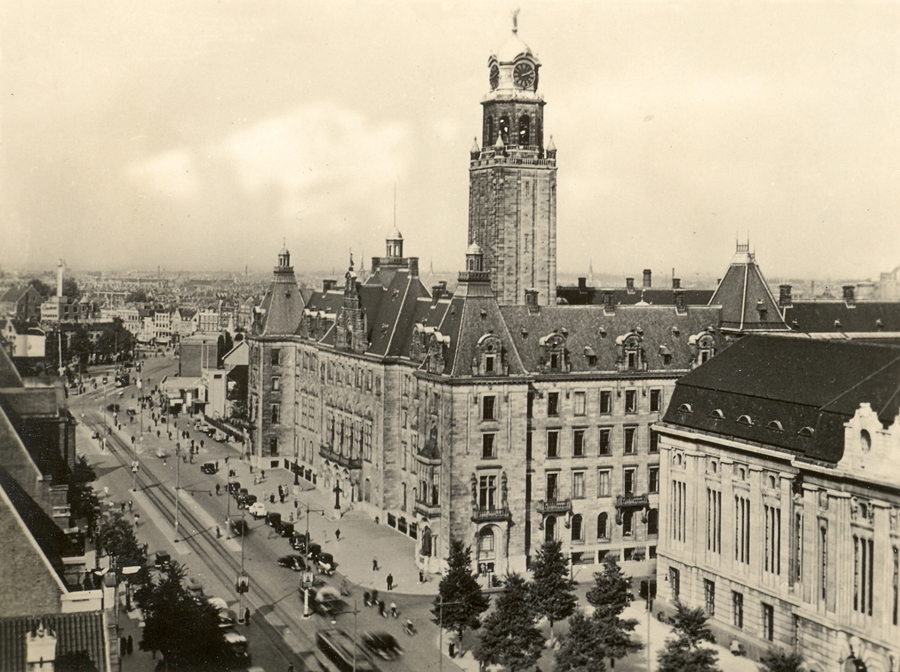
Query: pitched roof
(622, 296)
(808, 387)
(282, 305)
(9, 375)
(75, 633)
(746, 300)
(827, 316)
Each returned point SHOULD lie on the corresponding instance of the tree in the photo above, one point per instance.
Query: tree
(184, 629)
(70, 288)
(460, 602)
(682, 652)
(779, 660)
(610, 596)
(116, 537)
(42, 288)
(510, 636)
(552, 589)
(82, 498)
(137, 296)
(580, 647)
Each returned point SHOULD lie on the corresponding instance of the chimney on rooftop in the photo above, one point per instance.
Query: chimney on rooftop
(784, 295)
(437, 291)
(328, 285)
(850, 294)
(629, 284)
(647, 273)
(676, 283)
(413, 267)
(531, 301)
(679, 300)
(582, 284)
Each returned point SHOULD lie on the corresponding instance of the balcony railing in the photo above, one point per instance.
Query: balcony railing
(490, 515)
(343, 460)
(637, 501)
(427, 510)
(554, 506)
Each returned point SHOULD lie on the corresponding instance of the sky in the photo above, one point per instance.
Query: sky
(203, 135)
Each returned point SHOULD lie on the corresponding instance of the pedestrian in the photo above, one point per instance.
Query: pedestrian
(157, 433)
(217, 465)
(337, 537)
(218, 532)
(123, 507)
(137, 519)
(390, 581)
(130, 506)
(290, 667)
(247, 617)
(296, 504)
(130, 645)
(251, 468)
(374, 564)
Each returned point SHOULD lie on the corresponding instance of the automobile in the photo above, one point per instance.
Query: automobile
(220, 436)
(273, 519)
(246, 501)
(239, 526)
(208, 468)
(217, 603)
(382, 644)
(294, 562)
(286, 529)
(299, 541)
(195, 588)
(342, 651)
(163, 560)
(234, 487)
(257, 510)
(325, 563)
(327, 601)
(314, 550)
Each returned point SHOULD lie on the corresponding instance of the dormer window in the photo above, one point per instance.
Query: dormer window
(686, 408)
(489, 363)
(745, 420)
(703, 346)
(775, 426)
(554, 355)
(489, 356)
(629, 352)
(808, 432)
(717, 414)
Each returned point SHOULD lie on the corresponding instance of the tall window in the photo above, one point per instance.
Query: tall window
(487, 446)
(653, 521)
(553, 404)
(823, 560)
(675, 582)
(276, 357)
(798, 546)
(768, 614)
(742, 529)
(862, 575)
(631, 401)
(580, 403)
(487, 490)
(553, 443)
(713, 520)
(737, 609)
(486, 544)
(276, 414)
(772, 562)
(629, 481)
(603, 526)
(605, 435)
(524, 131)
(653, 479)
(630, 440)
(628, 523)
(605, 402)
(578, 485)
(578, 443)
(655, 401)
(577, 528)
(487, 405)
(654, 441)
(276, 383)
(550, 528)
(552, 487)
(709, 597)
(603, 482)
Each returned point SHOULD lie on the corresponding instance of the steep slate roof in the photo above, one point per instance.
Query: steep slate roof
(863, 316)
(800, 383)
(9, 375)
(745, 296)
(75, 632)
(590, 327)
(282, 305)
(621, 296)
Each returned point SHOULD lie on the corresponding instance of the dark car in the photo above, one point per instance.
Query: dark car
(382, 644)
(299, 541)
(327, 601)
(246, 500)
(314, 550)
(234, 487)
(294, 562)
(163, 559)
(286, 530)
(325, 563)
(239, 526)
(273, 519)
(209, 468)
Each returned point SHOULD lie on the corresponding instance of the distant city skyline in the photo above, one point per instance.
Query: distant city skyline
(203, 136)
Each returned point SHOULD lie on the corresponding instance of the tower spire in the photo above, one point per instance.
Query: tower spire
(515, 18)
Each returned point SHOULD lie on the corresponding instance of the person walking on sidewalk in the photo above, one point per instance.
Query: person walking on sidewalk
(390, 581)
(337, 534)
(374, 564)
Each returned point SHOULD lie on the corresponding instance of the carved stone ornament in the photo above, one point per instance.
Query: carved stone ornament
(823, 500)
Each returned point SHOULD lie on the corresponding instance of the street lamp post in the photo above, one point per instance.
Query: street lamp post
(178, 484)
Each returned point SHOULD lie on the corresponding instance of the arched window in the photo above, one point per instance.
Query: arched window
(603, 526)
(577, 528)
(653, 521)
(486, 544)
(524, 131)
(504, 129)
(550, 529)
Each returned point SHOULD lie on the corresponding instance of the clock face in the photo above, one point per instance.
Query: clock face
(523, 75)
(495, 76)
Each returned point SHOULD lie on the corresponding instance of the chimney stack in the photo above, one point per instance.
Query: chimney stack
(850, 294)
(606, 296)
(59, 278)
(413, 267)
(531, 301)
(437, 291)
(784, 295)
(582, 284)
(679, 300)
(647, 274)
(676, 283)
(629, 284)
(328, 285)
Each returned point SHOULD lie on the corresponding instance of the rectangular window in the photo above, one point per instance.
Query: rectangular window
(578, 485)
(276, 414)
(823, 561)
(404, 419)
(578, 443)
(709, 597)
(675, 583)
(603, 483)
(630, 440)
(655, 401)
(742, 529)
(629, 481)
(580, 403)
(605, 402)
(862, 575)
(273, 446)
(276, 383)
(737, 609)
(654, 441)
(276, 357)
(653, 479)
(631, 401)
(553, 404)
(772, 563)
(552, 487)
(489, 363)
(798, 547)
(553, 443)
(487, 408)
(713, 520)
(768, 624)
(487, 446)
(487, 490)
(605, 435)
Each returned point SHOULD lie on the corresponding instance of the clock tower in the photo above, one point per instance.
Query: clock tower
(512, 180)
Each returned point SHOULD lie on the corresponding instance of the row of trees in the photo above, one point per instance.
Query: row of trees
(592, 642)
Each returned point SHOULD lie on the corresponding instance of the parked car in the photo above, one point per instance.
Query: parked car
(257, 509)
(234, 487)
(239, 526)
(325, 563)
(209, 468)
(220, 436)
(246, 501)
(299, 541)
(382, 644)
(294, 562)
(163, 560)
(285, 529)
(273, 519)
(327, 601)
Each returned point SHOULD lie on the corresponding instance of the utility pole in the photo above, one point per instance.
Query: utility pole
(177, 484)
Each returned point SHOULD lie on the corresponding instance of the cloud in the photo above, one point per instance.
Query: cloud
(172, 174)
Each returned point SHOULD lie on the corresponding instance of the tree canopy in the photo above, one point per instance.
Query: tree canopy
(460, 602)
(552, 591)
(580, 647)
(510, 636)
(610, 596)
(116, 537)
(82, 498)
(42, 287)
(779, 660)
(682, 652)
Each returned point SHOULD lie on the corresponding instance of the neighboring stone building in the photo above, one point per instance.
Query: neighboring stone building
(780, 468)
(22, 304)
